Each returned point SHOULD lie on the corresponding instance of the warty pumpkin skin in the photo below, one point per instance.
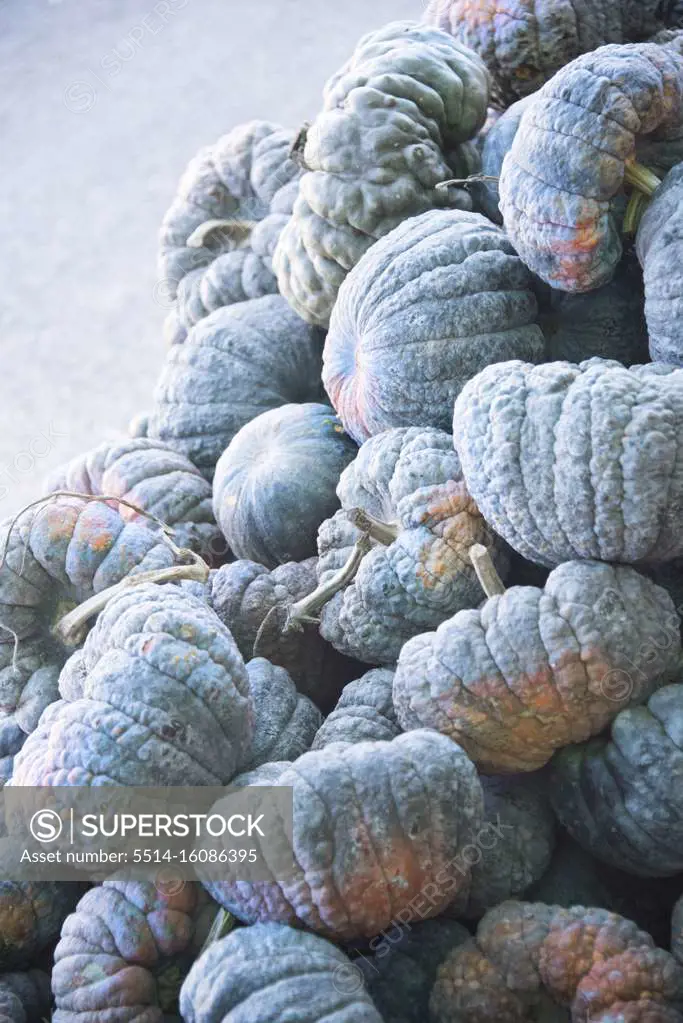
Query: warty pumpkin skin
(533, 670)
(659, 244)
(619, 795)
(399, 977)
(575, 143)
(569, 461)
(163, 700)
(269, 971)
(152, 476)
(388, 133)
(125, 949)
(236, 363)
(24, 997)
(409, 478)
(285, 723)
(440, 297)
(364, 712)
(376, 825)
(528, 958)
(496, 144)
(31, 915)
(525, 42)
(243, 594)
(276, 482)
(234, 194)
(28, 684)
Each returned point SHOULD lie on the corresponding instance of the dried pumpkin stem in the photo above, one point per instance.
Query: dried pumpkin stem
(241, 229)
(383, 532)
(70, 628)
(305, 610)
(473, 179)
(490, 581)
(296, 151)
(223, 923)
(637, 205)
(641, 177)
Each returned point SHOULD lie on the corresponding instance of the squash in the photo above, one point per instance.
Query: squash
(388, 133)
(28, 684)
(237, 362)
(399, 977)
(659, 244)
(574, 150)
(275, 482)
(619, 796)
(152, 476)
(126, 949)
(533, 670)
(528, 959)
(31, 915)
(431, 304)
(268, 972)
(405, 486)
(524, 42)
(24, 997)
(285, 723)
(216, 239)
(160, 659)
(570, 461)
(243, 595)
(364, 712)
(377, 826)
(497, 143)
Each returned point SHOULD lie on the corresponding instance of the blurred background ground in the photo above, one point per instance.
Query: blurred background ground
(102, 104)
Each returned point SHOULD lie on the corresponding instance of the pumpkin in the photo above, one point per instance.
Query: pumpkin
(285, 723)
(533, 670)
(125, 950)
(275, 482)
(28, 684)
(570, 461)
(399, 977)
(659, 243)
(608, 323)
(618, 795)
(572, 878)
(677, 930)
(165, 692)
(514, 846)
(496, 144)
(525, 42)
(392, 119)
(152, 476)
(573, 151)
(377, 826)
(529, 958)
(31, 915)
(431, 304)
(243, 595)
(24, 997)
(216, 239)
(406, 487)
(267, 972)
(237, 362)
(364, 712)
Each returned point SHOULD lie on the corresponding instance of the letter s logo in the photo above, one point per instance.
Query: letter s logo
(46, 825)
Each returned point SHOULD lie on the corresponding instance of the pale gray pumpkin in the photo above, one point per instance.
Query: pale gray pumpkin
(364, 711)
(285, 723)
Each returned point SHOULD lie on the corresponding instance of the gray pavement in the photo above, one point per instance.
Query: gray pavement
(102, 104)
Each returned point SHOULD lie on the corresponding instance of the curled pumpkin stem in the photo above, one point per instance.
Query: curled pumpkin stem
(490, 581)
(473, 179)
(383, 532)
(641, 178)
(239, 229)
(296, 151)
(72, 627)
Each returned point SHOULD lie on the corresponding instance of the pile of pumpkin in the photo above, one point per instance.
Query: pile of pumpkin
(403, 531)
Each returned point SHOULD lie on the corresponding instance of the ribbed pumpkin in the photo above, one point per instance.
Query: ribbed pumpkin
(388, 133)
(217, 237)
(575, 148)
(266, 972)
(659, 244)
(276, 482)
(375, 824)
(569, 461)
(31, 915)
(530, 958)
(24, 997)
(533, 670)
(125, 950)
(364, 712)
(431, 304)
(236, 363)
(285, 723)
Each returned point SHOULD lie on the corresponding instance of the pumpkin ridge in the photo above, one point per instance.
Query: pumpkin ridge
(555, 467)
(523, 471)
